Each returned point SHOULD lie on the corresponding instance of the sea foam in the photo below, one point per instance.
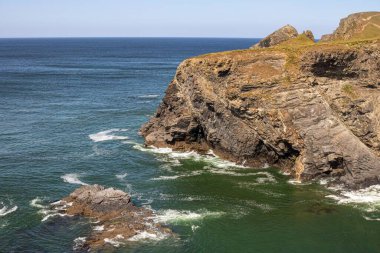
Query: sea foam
(149, 96)
(367, 200)
(72, 178)
(370, 195)
(116, 241)
(108, 135)
(147, 236)
(5, 210)
(177, 217)
(209, 158)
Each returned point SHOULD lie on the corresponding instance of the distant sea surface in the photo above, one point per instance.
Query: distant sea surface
(70, 110)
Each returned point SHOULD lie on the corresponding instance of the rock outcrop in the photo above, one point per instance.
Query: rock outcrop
(309, 34)
(283, 34)
(117, 219)
(310, 109)
(364, 25)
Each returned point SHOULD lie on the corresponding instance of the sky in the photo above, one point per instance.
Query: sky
(172, 18)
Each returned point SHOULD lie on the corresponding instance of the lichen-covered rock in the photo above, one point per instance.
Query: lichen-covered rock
(117, 219)
(283, 34)
(363, 25)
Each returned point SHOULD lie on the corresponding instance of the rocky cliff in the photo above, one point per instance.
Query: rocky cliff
(356, 26)
(311, 109)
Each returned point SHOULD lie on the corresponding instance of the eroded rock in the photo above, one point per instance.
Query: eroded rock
(309, 109)
(363, 25)
(281, 35)
(117, 221)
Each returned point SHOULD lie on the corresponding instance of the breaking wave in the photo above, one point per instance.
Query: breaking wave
(48, 211)
(147, 236)
(72, 178)
(116, 241)
(79, 243)
(178, 217)
(367, 200)
(5, 210)
(122, 176)
(192, 174)
(209, 158)
(149, 96)
(108, 135)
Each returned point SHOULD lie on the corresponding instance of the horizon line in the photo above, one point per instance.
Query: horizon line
(131, 37)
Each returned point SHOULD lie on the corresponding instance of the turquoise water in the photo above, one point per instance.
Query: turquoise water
(70, 110)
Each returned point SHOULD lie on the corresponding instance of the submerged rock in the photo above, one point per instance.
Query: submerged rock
(281, 35)
(309, 109)
(116, 219)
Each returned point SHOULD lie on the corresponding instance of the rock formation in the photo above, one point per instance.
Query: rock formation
(309, 34)
(117, 219)
(310, 109)
(283, 34)
(356, 26)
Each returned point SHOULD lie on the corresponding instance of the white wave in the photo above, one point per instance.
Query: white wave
(72, 178)
(79, 243)
(371, 219)
(297, 182)
(174, 216)
(37, 203)
(107, 135)
(269, 178)
(47, 217)
(192, 174)
(144, 236)
(231, 172)
(116, 241)
(99, 228)
(5, 210)
(210, 157)
(367, 200)
(122, 176)
(194, 228)
(370, 195)
(324, 181)
(149, 96)
(165, 178)
(50, 210)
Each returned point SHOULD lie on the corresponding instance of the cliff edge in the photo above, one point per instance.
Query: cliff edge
(309, 108)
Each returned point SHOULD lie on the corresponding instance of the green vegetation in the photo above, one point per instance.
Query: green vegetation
(349, 90)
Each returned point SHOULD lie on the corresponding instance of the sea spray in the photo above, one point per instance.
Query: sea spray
(108, 135)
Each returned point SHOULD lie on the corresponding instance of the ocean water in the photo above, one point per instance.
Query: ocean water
(70, 110)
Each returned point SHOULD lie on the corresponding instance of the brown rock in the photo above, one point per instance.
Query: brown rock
(311, 109)
(283, 34)
(114, 212)
(363, 25)
(309, 34)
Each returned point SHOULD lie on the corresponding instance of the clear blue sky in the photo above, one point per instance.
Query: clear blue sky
(171, 18)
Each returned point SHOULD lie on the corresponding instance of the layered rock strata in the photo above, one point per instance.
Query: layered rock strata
(310, 109)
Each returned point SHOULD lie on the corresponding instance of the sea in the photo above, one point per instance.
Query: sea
(70, 111)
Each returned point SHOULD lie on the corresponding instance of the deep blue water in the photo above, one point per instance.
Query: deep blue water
(58, 96)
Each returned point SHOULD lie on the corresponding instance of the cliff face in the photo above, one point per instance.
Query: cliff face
(356, 26)
(310, 109)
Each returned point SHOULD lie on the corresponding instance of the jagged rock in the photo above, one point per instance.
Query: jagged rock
(113, 211)
(363, 25)
(283, 34)
(309, 34)
(310, 109)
